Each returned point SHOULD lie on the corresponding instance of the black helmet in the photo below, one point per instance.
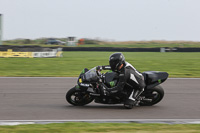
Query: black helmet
(116, 60)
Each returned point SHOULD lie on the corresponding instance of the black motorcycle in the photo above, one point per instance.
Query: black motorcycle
(90, 83)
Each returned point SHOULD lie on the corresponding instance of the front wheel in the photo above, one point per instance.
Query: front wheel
(152, 96)
(78, 98)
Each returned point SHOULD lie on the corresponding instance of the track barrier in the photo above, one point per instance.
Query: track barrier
(30, 52)
(45, 52)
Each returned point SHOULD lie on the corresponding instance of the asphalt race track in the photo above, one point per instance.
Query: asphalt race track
(44, 99)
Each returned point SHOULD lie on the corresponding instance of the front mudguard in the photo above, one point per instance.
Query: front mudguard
(77, 88)
(81, 88)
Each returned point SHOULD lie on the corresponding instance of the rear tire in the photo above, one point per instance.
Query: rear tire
(155, 94)
(78, 98)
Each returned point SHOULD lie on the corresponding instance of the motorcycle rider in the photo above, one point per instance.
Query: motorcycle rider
(128, 77)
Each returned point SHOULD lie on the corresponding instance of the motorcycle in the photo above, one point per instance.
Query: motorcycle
(89, 89)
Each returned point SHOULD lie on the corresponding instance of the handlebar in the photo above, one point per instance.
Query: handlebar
(100, 76)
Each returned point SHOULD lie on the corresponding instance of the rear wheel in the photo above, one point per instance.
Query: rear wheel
(78, 98)
(152, 96)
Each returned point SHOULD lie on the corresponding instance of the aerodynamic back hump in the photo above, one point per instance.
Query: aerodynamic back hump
(154, 77)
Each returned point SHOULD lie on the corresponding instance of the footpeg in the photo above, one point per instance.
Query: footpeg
(93, 94)
(147, 100)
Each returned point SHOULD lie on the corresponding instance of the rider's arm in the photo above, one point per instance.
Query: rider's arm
(119, 87)
(120, 84)
(99, 68)
(106, 67)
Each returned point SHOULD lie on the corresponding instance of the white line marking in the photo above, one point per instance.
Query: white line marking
(101, 120)
(15, 123)
(72, 77)
(40, 77)
(166, 121)
(183, 78)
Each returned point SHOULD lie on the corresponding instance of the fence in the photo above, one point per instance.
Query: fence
(112, 49)
(29, 52)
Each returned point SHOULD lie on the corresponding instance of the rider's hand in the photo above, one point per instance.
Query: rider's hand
(99, 68)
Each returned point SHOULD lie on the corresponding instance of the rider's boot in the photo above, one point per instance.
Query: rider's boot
(137, 93)
(129, 102)
(133, 99)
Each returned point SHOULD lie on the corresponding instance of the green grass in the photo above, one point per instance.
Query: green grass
(176, 64)
(121, 45)
(81, 127)
(142, 45)
(127, 44)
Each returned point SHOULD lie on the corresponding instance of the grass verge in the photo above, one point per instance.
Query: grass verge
(176, 64)
(96, 43)
(102, 128)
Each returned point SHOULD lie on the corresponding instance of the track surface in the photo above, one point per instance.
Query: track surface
(44, 99)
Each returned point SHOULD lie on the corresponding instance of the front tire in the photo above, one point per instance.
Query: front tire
(78, 98)
(152, 96)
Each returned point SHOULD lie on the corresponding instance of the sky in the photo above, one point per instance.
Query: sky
(112, 20)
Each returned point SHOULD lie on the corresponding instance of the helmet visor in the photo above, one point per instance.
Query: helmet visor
(114, 64)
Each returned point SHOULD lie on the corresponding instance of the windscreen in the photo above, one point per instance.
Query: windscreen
(91, 75)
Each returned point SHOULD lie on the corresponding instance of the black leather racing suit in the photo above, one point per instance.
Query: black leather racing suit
(128, 76)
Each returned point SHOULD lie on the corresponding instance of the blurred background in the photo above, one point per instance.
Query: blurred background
(48, 28)
(113, 20)
(45, 44)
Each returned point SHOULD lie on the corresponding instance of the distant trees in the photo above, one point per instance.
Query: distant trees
(43, 40)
